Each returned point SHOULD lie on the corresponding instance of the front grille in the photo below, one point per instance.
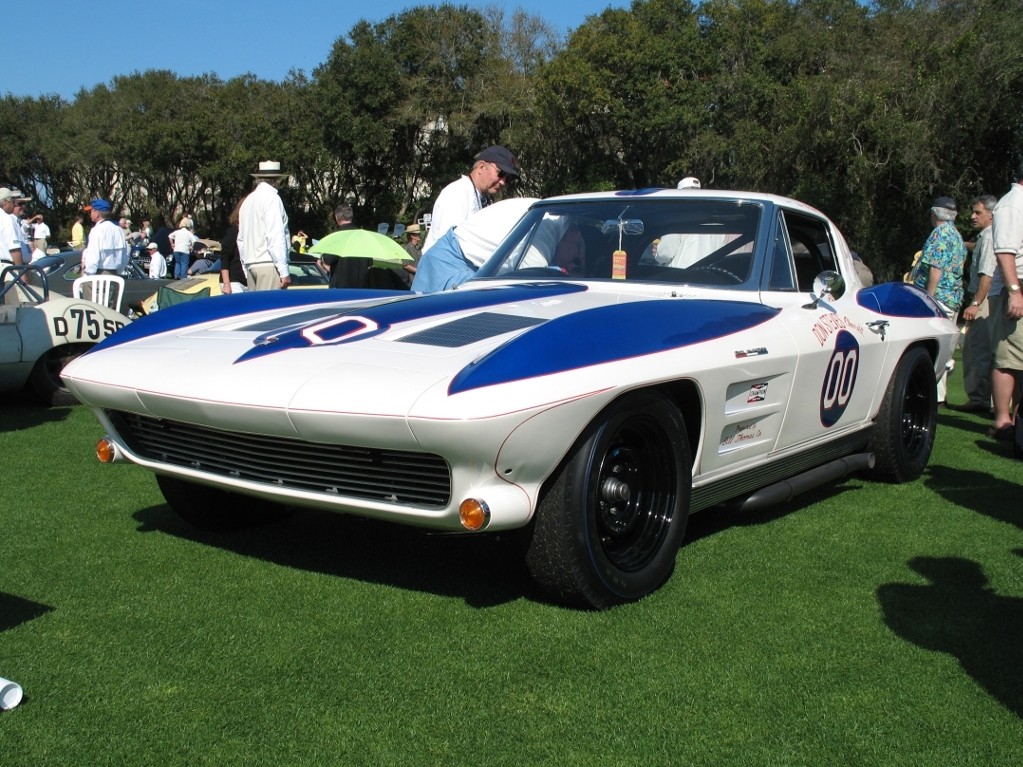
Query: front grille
(388, 476)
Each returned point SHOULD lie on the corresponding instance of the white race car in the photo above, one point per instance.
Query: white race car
(622, 360)
(41, 332)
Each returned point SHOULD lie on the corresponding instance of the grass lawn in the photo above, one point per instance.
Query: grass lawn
(861, 624)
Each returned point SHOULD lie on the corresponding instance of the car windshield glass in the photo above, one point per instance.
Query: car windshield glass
(306, 274)
(677, 241)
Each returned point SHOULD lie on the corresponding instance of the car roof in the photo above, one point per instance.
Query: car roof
(657, 193)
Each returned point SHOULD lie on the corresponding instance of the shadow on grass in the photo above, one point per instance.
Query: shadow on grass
(484, 570)
(714, 520)
(21, 411)
(959, 614)
(15, 610)
(978, 491)
(998, 449)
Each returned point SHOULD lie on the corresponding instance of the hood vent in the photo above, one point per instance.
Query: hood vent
(469, 330)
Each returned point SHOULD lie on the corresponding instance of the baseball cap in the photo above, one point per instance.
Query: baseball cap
(502, 158)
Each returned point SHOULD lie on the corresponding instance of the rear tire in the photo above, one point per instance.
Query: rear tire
(216, 510)
(904, 430)
(611, 520)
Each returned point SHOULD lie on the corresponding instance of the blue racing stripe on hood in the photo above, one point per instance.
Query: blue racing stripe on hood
(406, 306)
(609, 334)
(202, 310)
(897, 299)
(368, 321)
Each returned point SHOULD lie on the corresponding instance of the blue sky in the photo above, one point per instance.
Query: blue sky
(63, 46)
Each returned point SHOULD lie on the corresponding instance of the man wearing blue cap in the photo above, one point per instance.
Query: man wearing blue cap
(106, 251)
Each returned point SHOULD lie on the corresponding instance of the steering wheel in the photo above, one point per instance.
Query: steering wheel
(16, 283)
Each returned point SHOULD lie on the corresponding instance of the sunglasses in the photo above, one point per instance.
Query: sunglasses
(502, 175)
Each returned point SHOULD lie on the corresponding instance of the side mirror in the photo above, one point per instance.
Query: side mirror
(828, 283)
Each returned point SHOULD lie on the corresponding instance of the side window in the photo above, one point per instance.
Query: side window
(811, 248)
(781, 262)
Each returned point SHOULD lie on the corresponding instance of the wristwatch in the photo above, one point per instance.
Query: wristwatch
(1013, 288)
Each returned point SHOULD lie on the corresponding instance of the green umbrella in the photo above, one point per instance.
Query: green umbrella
(361, 243)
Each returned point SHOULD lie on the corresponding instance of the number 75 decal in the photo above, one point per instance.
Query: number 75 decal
(79, 324)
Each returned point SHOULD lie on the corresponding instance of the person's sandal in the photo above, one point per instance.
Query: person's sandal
(1005, 433)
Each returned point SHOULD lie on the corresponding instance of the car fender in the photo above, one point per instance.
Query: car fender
(32, 330)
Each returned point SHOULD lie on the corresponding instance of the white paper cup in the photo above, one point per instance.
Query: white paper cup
(10, 694)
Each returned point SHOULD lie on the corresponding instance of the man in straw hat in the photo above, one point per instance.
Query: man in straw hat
(414, 248)
(263, 237)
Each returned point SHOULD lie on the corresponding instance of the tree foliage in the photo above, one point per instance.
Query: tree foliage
(866, 111)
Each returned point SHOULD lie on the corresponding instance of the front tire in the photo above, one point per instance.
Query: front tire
(216, 510)
(611, 520)
(44, 381)
(904, 430)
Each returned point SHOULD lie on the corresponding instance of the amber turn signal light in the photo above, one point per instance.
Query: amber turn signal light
(473, 514)
(105, 451)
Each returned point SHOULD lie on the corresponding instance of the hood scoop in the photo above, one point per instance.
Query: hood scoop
(469, 330)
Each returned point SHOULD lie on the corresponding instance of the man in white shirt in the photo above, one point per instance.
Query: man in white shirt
(1007, 336)
(106, 252)
(464, 249)
(263, 237)
(10, 245)
(157, 263)
(491, 171)
(24, 239)
(40, 235)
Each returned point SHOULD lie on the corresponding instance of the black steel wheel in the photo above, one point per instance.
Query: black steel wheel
(611, 520)
(904, 430)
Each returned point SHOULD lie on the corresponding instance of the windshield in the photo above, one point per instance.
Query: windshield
(678, 241)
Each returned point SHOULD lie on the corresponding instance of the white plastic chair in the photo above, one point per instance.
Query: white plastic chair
(106, 289)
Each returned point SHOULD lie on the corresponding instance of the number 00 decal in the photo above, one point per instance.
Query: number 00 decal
(839, 378)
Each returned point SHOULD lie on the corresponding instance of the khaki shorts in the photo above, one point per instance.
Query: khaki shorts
(1006, 335)
(264, 277)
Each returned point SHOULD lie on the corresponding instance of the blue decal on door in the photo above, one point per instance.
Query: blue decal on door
(839, 378)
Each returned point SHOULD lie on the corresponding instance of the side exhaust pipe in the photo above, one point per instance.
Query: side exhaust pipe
(793, 486)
